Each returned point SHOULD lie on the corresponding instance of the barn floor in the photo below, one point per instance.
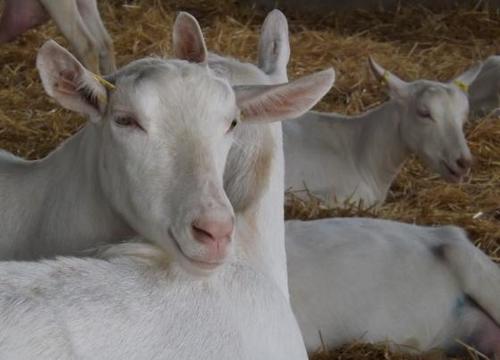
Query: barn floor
(412, 42)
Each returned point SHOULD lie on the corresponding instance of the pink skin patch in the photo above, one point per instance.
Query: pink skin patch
(488, 338)
(19, 16)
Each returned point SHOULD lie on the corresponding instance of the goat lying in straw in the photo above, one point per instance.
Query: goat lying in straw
(138, 303)
(349, 278)
(356, 158)
(377, 280)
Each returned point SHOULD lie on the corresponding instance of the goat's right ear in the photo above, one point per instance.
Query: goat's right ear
(269, 103)
(274, 44)
(188, 41)
(464, 80)
(69, 83)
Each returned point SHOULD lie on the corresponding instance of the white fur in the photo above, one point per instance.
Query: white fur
(128, 308)
(311, 248)
(377, 280)
(139, 302)
(80, 22)
(110, 181)
(131, 308)
(242, 182)
(484, 92)
(355, 158)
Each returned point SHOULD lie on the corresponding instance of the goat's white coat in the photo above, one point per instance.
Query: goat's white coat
(484, 92)
(312, 246)
(104, 183)
(139, 305)
(266, 219)
(355, 158)
(131, 308)
(62, 196)
(377, 280)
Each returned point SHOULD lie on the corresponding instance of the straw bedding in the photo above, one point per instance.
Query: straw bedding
(413, 42)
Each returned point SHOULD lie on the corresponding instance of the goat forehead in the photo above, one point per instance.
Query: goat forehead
(427, 88)
(163, 89)
(442, 95)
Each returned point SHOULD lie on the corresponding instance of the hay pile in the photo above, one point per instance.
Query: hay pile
(413, 42)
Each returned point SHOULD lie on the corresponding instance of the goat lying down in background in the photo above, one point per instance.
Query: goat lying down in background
(356, 158)
(372, 280)
(378, 280)
(139, 302)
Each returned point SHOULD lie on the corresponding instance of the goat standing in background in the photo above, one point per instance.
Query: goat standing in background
(78, 20)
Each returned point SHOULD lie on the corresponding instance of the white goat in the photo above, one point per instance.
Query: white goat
(484, 92)
(82, 195)
(312, 247)
(137, 304)
(78, 20)
(265, 143)
(356, 158)
(377, 280)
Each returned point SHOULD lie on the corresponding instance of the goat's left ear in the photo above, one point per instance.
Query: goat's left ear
(397, 87)
(285, 101)
(188, 41)
(464, 80)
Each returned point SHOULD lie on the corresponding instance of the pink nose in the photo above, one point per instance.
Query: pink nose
(213, 232)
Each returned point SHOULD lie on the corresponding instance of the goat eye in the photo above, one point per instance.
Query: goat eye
(126, 121)
(424, 114)
(233, 125)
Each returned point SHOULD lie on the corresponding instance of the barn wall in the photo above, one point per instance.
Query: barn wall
(331, 5)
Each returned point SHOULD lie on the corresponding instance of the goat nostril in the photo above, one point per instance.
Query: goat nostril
(207, 230)
(200, 233)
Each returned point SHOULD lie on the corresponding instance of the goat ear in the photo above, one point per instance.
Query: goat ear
(274, 45)
(397, 87)
(464, 80)
(69, 83)
(188, 40)
(285, 101)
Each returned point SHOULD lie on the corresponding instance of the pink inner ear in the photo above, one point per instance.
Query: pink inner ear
(275, 105)
(189, 46)
(65, 83)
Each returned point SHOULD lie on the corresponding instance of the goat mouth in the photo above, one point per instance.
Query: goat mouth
(199, 264)
(451, 174)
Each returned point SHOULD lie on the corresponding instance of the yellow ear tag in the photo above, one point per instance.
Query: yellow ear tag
(104, 82)
(461, 85)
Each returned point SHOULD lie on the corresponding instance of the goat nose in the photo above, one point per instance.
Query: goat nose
(207, 230)
(464, 162)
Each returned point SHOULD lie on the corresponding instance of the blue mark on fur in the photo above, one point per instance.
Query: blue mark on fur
(459, 306)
